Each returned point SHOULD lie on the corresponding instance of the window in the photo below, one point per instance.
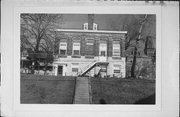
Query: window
(116, 48)
(94, 26)
(103, 49)
(89, 42)
(89, 48)
(75, 67)
(62, 48)
(76, 48)
(103, 53)
(85, 26)
(117, 68)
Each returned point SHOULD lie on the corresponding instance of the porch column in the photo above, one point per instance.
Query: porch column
(64, 70)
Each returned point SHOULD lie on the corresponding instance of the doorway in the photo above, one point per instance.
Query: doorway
(60, 70)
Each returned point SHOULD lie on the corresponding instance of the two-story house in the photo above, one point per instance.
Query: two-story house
(89, 51)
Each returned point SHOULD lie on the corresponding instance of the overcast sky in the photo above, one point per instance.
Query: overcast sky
(75, 21)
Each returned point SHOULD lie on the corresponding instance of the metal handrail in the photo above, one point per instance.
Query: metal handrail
(87, 66)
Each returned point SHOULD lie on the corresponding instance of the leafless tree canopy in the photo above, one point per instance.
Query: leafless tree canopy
(139, 27)
(38, 36)
(36, 30)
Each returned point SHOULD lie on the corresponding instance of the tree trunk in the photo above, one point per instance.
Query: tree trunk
(35, 59)
(135, 48)
(134, 63)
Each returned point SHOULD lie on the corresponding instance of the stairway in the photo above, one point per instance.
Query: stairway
(90, 66)
(87, 68)
(82, 91)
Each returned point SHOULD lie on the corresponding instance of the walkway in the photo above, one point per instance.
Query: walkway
(82, 91)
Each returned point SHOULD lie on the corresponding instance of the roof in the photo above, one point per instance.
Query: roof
(91, 31)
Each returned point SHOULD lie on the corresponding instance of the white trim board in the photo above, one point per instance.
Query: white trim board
(91, 31)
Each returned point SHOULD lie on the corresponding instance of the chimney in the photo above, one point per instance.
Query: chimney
(90, 21)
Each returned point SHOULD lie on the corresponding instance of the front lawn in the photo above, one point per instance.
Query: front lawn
(39, 89)
(122, 91)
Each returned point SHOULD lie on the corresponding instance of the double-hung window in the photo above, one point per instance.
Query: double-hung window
(89, 48)
(116, 48)
(76, 48)
(63, 48)
(103, 48)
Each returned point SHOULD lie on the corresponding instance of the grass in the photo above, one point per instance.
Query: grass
(122, 91)
(37, 89)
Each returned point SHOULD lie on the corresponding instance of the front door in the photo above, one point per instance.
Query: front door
(60, 70)
(103, 52)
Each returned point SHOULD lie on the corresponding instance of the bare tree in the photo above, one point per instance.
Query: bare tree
(37, 34)
(142, 22)
(139, 39)
(138, 27)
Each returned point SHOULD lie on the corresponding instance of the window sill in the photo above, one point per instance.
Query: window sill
(116, 57)
(89, 57)
(76, 56)
(63, 56)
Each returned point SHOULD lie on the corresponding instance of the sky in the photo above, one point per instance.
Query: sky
(113, 22)
(76, 21)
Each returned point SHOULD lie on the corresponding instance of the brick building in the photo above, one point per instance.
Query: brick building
(89, 51)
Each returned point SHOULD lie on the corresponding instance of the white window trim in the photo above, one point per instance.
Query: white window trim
(115, 66)
(60, 47)
(95, 26)
(85, 26)
(75, 68)
(89, 42)
(102, 50)
(75, 49)
(75, 65)
(113, 53)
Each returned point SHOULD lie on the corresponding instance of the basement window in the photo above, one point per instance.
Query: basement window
(117, 68)
(74, 69)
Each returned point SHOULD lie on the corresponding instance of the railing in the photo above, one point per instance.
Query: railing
(86, 67)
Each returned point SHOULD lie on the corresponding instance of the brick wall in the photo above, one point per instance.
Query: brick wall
(70, 36)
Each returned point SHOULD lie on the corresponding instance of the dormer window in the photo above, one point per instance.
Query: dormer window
(94, 26)
(85, 26)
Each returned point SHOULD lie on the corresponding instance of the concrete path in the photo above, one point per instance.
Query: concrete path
(82, 91)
